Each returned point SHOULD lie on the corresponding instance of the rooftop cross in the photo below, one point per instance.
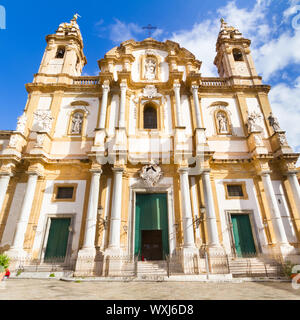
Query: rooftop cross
(149, 28)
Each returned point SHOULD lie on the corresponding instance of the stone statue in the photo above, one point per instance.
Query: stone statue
(77, 121)
(253, 118)
(150, 68)
(44, 120)
(222, 123)
(21, 125)
(274, 123)
(75, 17)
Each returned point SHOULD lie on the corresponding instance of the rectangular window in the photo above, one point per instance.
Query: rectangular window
(64, 192)
(235, 190)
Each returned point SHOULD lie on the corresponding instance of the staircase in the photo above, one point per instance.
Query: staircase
(255, 267)
(152, 270)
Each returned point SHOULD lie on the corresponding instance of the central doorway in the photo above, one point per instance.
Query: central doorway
(242, 235)
(151, 226)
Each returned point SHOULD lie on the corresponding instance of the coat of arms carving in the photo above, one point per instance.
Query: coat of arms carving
(151, 174)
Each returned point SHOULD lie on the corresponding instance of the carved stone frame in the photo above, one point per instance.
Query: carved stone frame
(139, 187)
(254, 229)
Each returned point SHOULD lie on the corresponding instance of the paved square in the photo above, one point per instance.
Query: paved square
(53, 289)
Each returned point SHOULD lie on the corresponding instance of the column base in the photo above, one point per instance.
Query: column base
(113, 262)
(287, 252)
(215, 250)
(17, 253)
(85, 263)
(18, 257)
(190, 260)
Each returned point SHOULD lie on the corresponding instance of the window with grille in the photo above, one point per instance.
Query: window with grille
(150, 117)
(65, 193)
(235, 190)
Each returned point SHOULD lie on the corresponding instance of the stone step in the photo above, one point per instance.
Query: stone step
(147, 267)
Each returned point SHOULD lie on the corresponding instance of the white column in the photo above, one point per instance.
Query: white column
(213, 237)
(188, 230)
(105, 91)
(195, 203)
(294, 183)
(176, 88)
(275, 212)
(197, 106)
(123, 87)
(91, 219)
(4, 181)
(115, 219)
(25, 213)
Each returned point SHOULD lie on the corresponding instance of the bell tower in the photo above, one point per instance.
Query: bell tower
(234, 58)
(64, 55)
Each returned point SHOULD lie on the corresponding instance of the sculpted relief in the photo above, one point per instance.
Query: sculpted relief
(150, 66)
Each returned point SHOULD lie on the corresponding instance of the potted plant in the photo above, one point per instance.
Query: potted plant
(4, 263)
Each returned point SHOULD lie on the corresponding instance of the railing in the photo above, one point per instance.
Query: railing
(46, 265)
(214, 82)
(86, 81)
(125, 266)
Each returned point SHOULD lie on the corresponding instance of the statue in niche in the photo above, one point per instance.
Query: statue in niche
(150, 68)
(274, 123)
(77, 121)
(222, 123)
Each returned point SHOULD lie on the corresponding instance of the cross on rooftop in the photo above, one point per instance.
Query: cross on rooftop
(149, 28)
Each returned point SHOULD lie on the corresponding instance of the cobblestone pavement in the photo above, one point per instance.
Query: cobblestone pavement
(53, 289)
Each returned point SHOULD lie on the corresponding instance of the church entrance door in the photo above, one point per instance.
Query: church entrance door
(57, 239)
(242, 234)
(152, 245)
(151, 226)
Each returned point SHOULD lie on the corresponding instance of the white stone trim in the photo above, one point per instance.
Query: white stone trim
(165, 186)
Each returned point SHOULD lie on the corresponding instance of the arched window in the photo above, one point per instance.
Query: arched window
(150, 117)
(237, 55)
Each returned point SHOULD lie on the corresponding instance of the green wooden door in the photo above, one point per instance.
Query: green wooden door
(151, 213)
(57, 239)
(242, 233)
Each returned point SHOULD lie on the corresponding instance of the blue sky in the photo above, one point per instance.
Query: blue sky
(272, 25)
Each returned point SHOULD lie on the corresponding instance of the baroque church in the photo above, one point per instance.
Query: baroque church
(148, 164)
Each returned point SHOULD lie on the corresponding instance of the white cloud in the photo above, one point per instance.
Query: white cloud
(120, 31)
(285, 105)
(201, 40)
(277, 54)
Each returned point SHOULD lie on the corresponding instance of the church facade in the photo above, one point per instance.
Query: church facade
(148, 160)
